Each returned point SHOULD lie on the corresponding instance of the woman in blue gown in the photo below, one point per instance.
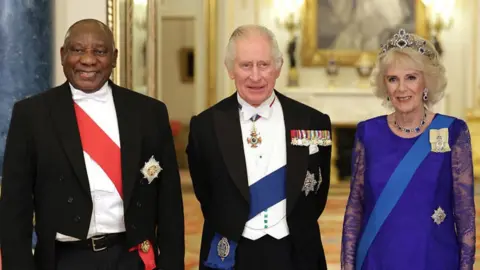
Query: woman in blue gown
(411, 203)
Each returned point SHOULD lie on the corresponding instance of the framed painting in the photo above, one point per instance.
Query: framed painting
(186, 57)
(341, 30)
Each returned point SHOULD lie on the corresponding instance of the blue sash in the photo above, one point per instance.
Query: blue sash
(265, 193)
(396, 185)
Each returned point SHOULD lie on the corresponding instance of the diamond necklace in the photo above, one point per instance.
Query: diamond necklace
(415, 129)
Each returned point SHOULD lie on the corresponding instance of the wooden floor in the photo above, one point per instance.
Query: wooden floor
(330, 222)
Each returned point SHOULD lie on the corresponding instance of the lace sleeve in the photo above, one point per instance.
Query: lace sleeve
(354, 211)
(464, 205)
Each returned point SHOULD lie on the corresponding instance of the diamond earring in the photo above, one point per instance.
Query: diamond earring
(425, 94)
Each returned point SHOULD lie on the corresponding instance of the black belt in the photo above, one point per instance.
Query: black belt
(96, 243)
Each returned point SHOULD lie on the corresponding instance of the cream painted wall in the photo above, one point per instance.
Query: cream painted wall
(476, 45)
(177, 95)
(475, 59)
(192, 98)
(67, 12)
(458, 44)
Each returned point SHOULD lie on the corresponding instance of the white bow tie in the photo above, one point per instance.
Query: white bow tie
(101, 95)
(249, 114)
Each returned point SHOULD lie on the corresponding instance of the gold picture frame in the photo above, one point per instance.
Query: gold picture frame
(312, 55)
(119, 20)
(124, 24)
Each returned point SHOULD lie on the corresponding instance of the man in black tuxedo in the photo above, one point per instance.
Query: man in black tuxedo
(96, 163)
(260, 165)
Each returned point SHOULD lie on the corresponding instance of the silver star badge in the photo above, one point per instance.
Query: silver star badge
(151, 169)
(439, 216)
(309, 184)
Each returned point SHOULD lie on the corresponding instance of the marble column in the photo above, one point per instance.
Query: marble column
(26, 67)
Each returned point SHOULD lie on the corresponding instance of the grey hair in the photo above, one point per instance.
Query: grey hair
(244, 31)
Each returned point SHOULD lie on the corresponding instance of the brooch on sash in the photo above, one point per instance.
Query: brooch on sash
(223, 248)
(151, 169)
(439, 140)
(439, 216)
(310, 137)
(145, 247)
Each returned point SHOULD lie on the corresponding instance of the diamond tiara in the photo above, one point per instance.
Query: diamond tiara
(403, 40)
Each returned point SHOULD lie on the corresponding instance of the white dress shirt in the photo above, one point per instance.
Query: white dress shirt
(107, 215)
(266, 158)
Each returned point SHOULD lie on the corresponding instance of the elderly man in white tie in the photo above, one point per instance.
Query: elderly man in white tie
(260, 166)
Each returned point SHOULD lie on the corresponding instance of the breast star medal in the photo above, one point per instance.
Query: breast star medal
(151, 169)
(309, 183)
(439, 216)
(254, 140)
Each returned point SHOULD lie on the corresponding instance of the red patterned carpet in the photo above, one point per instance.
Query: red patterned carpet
(330, 223)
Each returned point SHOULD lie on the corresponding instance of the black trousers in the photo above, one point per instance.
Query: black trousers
(116, 257)
(264, 254)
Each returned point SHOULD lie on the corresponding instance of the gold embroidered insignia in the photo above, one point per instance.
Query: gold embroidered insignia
(151, 169)
(439, 140)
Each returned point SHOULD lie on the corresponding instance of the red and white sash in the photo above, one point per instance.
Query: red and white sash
(106, 153)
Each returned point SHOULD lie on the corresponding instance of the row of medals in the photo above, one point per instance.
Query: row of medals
(311, 141)
(254, 140)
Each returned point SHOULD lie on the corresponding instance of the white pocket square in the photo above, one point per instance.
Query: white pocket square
(312, 149)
